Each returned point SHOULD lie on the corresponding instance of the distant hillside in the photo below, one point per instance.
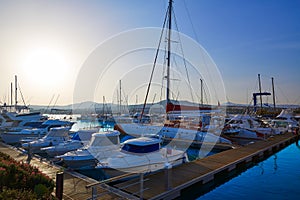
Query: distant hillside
(94, 107)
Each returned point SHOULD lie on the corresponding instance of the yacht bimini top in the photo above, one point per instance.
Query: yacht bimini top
(141, 145)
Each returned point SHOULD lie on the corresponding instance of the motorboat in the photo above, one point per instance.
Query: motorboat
(85, 134)
(63, 147)
(54, 137)
(246, 127)
(142, 155)
(285, 122)
(27, 135)
(169, 133)
(101, 146)
(78, 140)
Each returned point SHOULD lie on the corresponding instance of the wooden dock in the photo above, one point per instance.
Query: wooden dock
(173, 183)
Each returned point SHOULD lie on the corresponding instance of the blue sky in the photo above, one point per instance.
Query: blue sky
(243, 38)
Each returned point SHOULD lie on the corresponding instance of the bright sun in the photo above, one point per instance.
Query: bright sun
(45, 66)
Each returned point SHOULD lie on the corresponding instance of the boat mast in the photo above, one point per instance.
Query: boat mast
(11, 93)
(273, 91)
(169, 51)
(16, 92)
(259, 84)
(120, 96)
(201, 81)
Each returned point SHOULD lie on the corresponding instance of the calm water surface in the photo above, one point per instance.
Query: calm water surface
(278, 177)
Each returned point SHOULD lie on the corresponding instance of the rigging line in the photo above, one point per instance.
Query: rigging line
(163, 73)
(184, 60)
(49, 103)
(282, 91)
(21, 95)
(154, 64)
(297, 99)
(205, 95)
(190, 19)
(55, 101)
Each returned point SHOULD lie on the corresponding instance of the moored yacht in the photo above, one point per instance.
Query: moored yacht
(142, 155)
(63, 147)
(284, 122)
(12, 121)
(102, 145)
(28, 135)
(246, 127)
(54, 137)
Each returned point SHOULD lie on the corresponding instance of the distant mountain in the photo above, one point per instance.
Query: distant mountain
(94, 107)
(233, 104)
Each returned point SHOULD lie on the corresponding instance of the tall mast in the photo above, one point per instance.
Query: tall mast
(11, 93)
(103, 101)
(120, 96)
(169, 51)
(16, 91)
(259, 84)
(273, 91)
(201, 81)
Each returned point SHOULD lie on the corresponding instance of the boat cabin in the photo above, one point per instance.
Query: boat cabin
(141, 145)
(105, 138)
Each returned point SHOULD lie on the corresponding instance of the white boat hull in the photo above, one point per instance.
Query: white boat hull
(122, 163)
(14, 138)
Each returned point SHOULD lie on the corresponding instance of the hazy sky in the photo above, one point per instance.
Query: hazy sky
(47, 42)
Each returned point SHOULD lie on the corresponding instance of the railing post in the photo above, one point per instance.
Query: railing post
(168, 175)
(59, 185)
(94, 193)
(141, 185)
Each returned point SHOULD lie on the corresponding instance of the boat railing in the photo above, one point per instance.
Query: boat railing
(119, 191)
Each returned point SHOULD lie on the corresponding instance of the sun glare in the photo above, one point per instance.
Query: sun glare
(45, 67)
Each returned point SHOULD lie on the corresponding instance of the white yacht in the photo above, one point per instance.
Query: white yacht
(142, 155)
(54, 137)
(284, 122)
(28, 135)
(13, 121)
(138, 130)
(63, 147)
(102, 145)
(246, 127)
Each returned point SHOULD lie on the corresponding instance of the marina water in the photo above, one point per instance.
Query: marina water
(277, 177)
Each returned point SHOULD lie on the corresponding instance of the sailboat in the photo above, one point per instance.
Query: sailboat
(166, 131)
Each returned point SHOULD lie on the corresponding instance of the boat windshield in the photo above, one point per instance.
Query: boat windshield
(105, 141)
(140, 149)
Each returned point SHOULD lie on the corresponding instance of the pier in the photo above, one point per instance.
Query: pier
(165, 184)
(176, 182)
